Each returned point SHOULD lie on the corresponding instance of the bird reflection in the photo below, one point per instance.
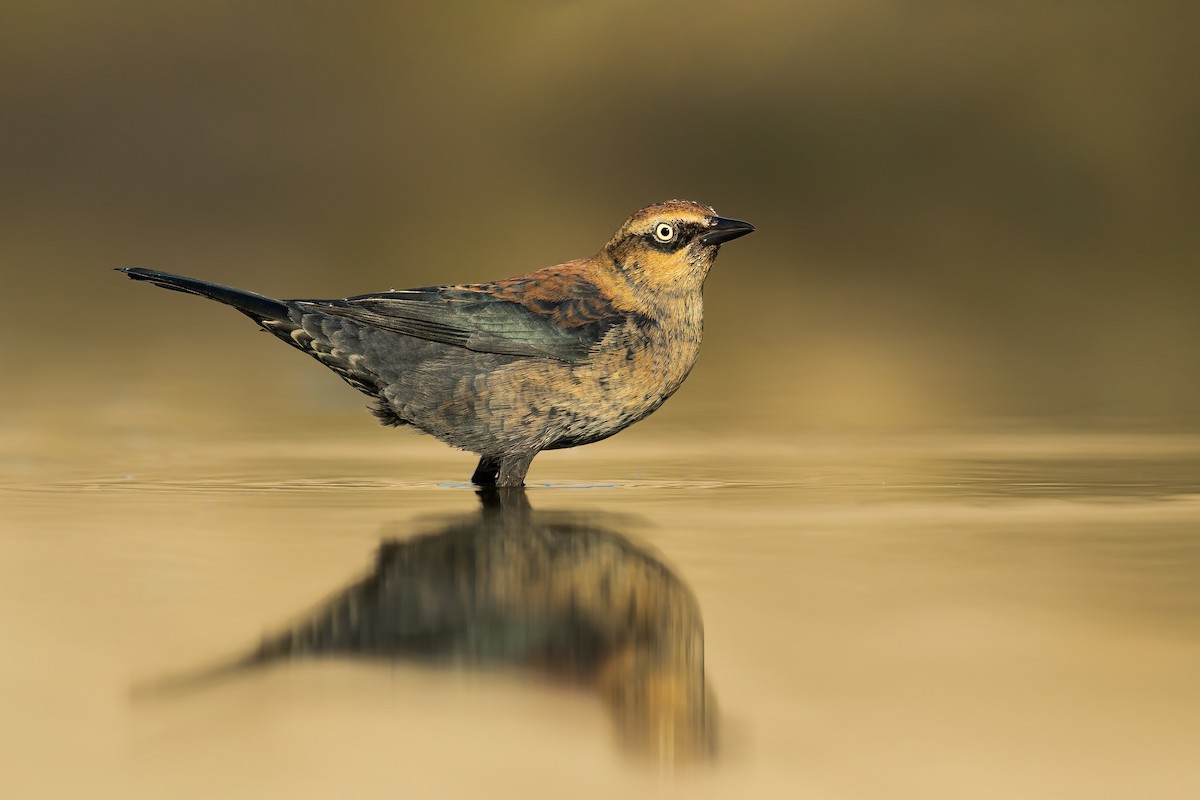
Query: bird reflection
(552, 594)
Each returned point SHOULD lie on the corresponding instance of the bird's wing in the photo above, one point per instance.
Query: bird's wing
(508, 317)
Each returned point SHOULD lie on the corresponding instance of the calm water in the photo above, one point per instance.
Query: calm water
(927, 617)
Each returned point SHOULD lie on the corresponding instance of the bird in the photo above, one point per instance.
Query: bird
(560, 357)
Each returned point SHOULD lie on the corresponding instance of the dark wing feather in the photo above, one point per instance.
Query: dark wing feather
(486, 318)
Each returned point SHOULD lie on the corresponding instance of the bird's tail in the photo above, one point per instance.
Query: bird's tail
(253, 305)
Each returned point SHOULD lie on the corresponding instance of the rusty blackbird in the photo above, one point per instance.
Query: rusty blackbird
(556, 358)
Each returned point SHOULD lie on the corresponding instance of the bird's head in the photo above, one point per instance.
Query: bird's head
(670, 247)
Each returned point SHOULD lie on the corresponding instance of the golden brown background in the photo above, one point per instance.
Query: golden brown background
(965, 210)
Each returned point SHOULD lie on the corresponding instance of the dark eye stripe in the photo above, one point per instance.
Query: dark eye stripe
(683, 234)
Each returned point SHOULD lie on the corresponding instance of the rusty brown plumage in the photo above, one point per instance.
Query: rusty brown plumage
(563, 292)
(559, 357)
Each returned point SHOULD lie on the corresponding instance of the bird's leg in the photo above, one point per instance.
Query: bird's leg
(508, 503)
(513, 469)
(486, 472)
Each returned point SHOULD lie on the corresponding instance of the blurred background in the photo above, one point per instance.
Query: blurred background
(966, 211)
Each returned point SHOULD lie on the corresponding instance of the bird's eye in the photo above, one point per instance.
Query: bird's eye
(664, 232)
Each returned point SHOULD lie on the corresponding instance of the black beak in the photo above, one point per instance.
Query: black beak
(725, 230)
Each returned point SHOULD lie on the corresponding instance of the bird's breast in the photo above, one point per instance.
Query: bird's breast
(642, 363)
(543, 403)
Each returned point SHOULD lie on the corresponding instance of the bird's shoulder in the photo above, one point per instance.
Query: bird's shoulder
(570, 294)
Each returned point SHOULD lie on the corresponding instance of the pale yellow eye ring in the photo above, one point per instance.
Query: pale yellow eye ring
(664, 232)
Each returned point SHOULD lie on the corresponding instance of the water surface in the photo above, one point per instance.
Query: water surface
(1010, 615)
